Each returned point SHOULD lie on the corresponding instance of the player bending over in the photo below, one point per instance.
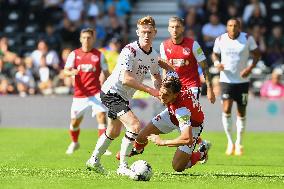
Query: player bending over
(185, 115)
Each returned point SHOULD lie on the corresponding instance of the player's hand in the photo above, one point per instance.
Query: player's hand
(155, 139)
(245, 72)
(154, 92)
(220, 67)
(74, 72)
(210, 95)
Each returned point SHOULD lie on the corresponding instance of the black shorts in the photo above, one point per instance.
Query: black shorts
(236, 91)
(116, 105)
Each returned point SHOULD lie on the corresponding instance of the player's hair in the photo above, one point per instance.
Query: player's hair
(147, 20)
(88, 30)
(235, 19)
(176, 19)
(172, 83)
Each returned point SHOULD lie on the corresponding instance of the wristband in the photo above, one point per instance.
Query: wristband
(217, 62)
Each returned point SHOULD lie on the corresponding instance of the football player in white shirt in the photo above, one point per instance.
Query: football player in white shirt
(134, 61)
(230, 55)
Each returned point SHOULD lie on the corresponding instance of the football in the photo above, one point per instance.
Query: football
(142, 169)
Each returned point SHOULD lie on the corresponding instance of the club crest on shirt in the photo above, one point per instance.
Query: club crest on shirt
(186, 51)
(94, 58)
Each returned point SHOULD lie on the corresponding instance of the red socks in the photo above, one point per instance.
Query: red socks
(74, 135)
(139, 146)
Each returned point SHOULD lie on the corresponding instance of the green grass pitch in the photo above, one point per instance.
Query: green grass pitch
(35, 159)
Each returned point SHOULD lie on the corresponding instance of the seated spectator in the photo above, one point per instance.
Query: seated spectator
(192, 24)
(249, 9)
(257, 19)
(276, 38)
(111, 53)
(273, 88)
(51, 37)
(45, 83)
(259, 39)
(212, 30)
(52, 59)
(24, 81)
(68, 32)
(6, 86)
(115, 30)
(73, 10)
(7, 58)
(122, 7)
(186, 5)
(232, 12)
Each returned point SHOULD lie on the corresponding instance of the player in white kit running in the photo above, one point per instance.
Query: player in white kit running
(134, 62)
(230, 55)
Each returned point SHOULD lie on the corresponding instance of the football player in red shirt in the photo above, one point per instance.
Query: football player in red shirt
(186, 116)
(86, 64)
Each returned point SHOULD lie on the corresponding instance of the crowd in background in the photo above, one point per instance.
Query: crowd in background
(38, 35)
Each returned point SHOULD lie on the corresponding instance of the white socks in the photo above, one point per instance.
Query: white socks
(227, 124)
(241, 123)
(102, 145)
(126, 146)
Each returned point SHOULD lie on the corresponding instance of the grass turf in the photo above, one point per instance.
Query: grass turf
(35, 158)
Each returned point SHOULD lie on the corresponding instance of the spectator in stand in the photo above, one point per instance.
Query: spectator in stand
(257, 19)
(111, 53)
(6, 86)
(249, 9)
(24, 81)
(122, 7)
(192, 24)
(187, 5)
(275, 52)
(51, 37)
(259, 39)
(91, 22)
(73, 10)
(276, 38)
(115, 30)
(45, 83)
(92, 8)
(232, 12)
(7, 58)
(52, 59)
(68, 32)
(273, 88)
(212, 30)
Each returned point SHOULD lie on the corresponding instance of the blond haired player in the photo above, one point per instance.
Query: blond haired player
(135, 61)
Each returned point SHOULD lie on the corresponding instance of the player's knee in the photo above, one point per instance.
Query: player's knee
(178, 167)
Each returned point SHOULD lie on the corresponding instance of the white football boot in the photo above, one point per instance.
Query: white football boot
(94, 165)
(125, 171)
(72, 147)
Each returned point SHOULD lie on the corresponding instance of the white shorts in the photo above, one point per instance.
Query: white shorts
(81, 105)
(163, 122)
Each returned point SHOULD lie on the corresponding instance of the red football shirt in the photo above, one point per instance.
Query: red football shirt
(89, 65)
(184, 58)
(186, 105)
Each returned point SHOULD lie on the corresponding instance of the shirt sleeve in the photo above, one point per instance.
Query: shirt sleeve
(162, 52)
(70, 60)
(198, 52)
(104, 65)
(216, 48)
(252, 44)
(183, 116)
(126, 58)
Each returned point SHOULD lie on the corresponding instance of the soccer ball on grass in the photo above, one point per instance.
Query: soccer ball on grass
(142, 169)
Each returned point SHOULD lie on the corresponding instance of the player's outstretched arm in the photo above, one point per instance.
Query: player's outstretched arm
(132, 82)
(164, 64)
(185, 138)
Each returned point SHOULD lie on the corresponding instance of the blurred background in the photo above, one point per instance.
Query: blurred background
(36, 37)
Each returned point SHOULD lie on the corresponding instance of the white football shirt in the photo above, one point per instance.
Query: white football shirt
(132, 58)
(234, 55)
